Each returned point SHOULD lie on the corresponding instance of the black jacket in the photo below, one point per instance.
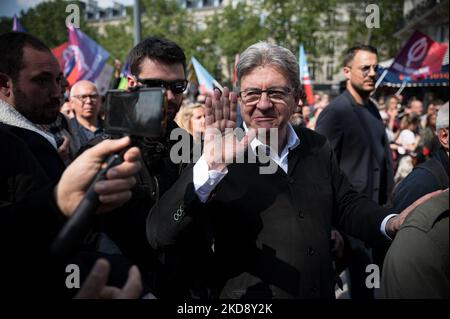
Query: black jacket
(357, 136)
(29, 222)
(263, 236)
(45, 154)
(425, 178)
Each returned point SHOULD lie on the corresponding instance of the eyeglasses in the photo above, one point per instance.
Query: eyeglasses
(365, 69)
(253, 96)
(83, 98)
(176, 86)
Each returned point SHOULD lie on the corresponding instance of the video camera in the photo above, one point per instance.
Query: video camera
(136, 112)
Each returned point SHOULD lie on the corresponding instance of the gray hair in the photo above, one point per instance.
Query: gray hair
(442, 117)
(265, 53)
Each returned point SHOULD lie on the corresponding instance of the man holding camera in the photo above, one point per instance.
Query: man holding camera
(32, 208)
(154, 63)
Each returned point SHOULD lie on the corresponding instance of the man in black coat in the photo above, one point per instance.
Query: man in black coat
(30, 92)
(239, 228)
(354, 128)
(33, 210)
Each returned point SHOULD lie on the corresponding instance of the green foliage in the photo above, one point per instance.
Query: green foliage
(165, 18)
(117, 41)
(48, 22)
(216, 40)
(391, 14)
(292, 22)
(5, 24)
(228, 33)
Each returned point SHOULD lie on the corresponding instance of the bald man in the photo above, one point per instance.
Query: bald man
(85, 102)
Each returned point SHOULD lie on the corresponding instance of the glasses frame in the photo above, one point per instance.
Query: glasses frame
(286, 88)
(168, 85)
(83, 97)
(366, 72)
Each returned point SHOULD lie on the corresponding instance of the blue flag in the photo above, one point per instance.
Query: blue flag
(17, 26)
(205, 80)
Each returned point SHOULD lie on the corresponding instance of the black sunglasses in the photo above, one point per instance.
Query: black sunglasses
(176, 86)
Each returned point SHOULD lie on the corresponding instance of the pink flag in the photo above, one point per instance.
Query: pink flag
(90, 57)
(419, 57)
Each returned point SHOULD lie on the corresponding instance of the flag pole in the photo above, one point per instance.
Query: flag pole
(380, 79)
(402, 87)
(137, 22)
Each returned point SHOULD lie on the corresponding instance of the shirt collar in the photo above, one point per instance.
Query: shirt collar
(292, 139)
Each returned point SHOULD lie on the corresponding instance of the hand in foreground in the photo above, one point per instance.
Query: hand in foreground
(113, 191)
(393, 224)
(94, 287)
(221, 145)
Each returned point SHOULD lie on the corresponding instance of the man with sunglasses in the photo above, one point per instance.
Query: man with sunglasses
(154, 63)
(354, 127)
(157, 62)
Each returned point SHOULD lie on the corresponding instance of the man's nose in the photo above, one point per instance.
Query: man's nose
(169, 95)
(264, 102)
(373, 71)
(56, 91)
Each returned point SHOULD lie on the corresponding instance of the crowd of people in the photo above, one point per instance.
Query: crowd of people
(356, 181)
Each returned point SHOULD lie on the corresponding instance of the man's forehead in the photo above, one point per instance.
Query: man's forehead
(35, 61)
(156, 69)
(267, 75)
(83, 88)
(363, 57)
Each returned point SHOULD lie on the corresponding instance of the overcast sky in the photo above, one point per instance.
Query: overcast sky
(9, 8)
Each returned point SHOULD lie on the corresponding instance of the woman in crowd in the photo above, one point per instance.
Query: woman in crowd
(192, 118)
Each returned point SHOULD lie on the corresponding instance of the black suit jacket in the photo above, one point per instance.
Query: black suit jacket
(357, 136)
(425, 178)
(263, 236)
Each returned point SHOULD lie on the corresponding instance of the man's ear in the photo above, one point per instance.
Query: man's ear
(131, 81)
(346, 71)
(443, 137)
(5, 85)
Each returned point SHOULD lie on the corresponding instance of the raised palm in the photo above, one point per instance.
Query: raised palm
(221, 144)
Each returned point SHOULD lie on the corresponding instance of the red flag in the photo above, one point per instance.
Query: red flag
(58, 52)
(304, 76)
(419, 57)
